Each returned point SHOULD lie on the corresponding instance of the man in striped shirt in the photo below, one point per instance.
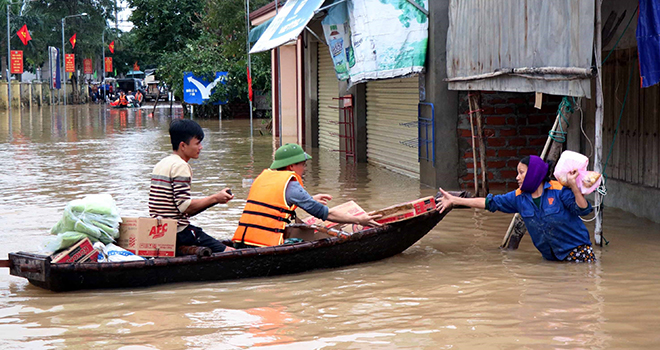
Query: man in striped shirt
(169, 196)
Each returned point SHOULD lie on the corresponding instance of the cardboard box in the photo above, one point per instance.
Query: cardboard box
(148, 237)
(349, 207)
(405, 210)
(78, 253)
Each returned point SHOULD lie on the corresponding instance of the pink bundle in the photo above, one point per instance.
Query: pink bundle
(587, 181)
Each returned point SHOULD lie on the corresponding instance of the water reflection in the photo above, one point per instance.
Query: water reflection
(454, 289)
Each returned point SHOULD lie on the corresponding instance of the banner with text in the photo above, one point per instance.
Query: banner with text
(16, 62)
(377, 39)
(87, 66)
(69, 63)
(108, 64)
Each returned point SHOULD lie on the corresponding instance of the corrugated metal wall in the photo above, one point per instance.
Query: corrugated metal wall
(390, 144)
(635, 154)
(486, 35)
(328, 87)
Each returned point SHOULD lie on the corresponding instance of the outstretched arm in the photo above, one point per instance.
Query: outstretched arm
(447, 201)
(345, 218)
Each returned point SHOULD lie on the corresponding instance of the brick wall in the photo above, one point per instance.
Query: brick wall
(513, 128)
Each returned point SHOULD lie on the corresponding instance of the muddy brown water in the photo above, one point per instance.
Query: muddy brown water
(454, 289)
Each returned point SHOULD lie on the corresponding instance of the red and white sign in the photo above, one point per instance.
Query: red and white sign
(69, 63)
(16, 62)
(87, 66)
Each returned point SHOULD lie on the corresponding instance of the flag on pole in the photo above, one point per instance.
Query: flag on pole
(135, 66)
(112, 47)
(72, 40)
(24, 34)
(249, 79)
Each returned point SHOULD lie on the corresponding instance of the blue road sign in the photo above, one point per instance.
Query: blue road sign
(198, 90)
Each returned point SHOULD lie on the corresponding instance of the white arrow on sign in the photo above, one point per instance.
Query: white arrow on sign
(205, 90)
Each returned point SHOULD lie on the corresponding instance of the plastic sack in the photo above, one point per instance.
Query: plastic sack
(95, 215)
(113, 253)
(587, 181)
(63, 240)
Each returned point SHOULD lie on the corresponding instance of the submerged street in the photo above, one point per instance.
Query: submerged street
(454, 289)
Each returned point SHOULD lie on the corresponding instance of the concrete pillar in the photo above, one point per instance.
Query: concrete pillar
(3, 95)
(289, 93)
(15, 93)
(445, 170)
(359, 92)
(311, 93)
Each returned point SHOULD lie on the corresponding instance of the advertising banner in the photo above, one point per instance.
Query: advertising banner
(69, 63)
(287, 24)
(108, 64)
(384, 39)
(54, 65)
(87, 66)
(197, 90)
(16, 62)
(337, 32)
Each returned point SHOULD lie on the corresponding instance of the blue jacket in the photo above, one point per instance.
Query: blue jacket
(556, 227)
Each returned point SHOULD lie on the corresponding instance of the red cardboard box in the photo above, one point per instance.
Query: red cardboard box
(405, 210)
(78, 253)
(148, 237)
(349, 207)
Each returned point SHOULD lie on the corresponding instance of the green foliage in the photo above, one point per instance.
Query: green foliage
(219, 46)
(164, 26)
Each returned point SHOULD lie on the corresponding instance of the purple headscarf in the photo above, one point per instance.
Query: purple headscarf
(536, 172)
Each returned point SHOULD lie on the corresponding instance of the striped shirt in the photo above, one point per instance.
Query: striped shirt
(169, 196)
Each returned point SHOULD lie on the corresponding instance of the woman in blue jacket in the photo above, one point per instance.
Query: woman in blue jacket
(550, 211)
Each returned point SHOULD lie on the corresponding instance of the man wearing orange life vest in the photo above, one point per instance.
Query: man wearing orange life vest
(274, 196)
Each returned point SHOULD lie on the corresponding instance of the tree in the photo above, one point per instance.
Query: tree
(164, 26)
(219, 46)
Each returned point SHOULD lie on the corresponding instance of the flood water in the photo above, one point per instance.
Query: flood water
(454, 289)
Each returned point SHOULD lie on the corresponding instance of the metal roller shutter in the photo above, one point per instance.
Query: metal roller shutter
(391, 103)
(328, 87)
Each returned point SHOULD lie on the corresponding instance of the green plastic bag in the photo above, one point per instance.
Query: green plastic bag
(94, 216)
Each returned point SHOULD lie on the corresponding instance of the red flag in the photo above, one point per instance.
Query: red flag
(135, 66)
(72, 40)
(24, 34)
(249, 84)
(112, 47)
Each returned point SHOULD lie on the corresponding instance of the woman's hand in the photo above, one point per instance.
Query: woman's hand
(447, 201)
(322, 198)
(369, 220)
(571, 178)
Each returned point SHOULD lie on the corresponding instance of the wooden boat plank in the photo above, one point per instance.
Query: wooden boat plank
(368, 245)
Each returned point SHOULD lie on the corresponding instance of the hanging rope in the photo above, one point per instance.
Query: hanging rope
(560, 135)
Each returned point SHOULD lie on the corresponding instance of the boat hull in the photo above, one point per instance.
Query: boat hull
(365, 246)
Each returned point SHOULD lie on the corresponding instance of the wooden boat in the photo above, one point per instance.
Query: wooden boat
(368, 245)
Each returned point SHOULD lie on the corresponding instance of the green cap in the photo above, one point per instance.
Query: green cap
(289, 154)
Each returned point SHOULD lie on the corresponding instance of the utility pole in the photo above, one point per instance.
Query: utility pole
(247, 38)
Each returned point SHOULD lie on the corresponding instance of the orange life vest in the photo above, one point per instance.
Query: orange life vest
(266, 212)
(123, 101)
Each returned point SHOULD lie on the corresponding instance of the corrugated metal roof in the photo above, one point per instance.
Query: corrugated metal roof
(489, 35)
